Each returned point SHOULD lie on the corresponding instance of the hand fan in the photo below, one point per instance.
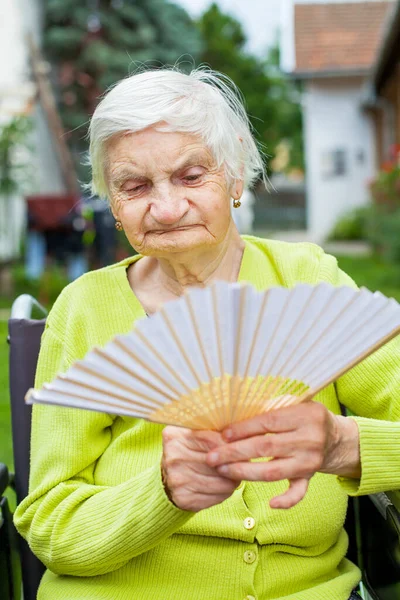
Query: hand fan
(228, 352)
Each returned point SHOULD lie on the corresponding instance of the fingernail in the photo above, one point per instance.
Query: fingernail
(213, 457)
(228, 433)
(223, 469)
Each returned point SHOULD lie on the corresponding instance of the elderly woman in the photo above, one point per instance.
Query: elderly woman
(120, 508)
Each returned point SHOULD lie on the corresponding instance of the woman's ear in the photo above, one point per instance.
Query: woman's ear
(114, 212)
(236, 189)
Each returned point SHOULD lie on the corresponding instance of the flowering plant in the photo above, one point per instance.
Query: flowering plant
(385, 188)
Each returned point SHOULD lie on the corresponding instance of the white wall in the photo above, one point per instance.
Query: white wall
(334, 120)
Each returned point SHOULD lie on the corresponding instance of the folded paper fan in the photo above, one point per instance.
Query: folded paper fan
(228, 352)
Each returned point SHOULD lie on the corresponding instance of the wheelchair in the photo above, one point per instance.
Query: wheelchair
(373, 522)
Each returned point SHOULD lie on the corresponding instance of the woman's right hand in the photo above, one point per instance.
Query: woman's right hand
(189, 482)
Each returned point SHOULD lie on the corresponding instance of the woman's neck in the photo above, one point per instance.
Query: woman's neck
(158, 280)
(199, 269)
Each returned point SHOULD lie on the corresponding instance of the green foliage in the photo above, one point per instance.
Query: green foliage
(384, 225)
(372, 272)
(385, 189)
(96, 43)
(272, 101)
(46, 289)
(353, 225)
(14, 169)
(384, 234)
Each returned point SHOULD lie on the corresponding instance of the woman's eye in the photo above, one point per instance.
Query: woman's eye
(135, 189)
(191, 178)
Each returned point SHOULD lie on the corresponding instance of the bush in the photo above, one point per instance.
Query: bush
(352, 225)
(383, 231)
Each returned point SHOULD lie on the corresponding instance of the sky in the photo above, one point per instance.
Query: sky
(260, 18)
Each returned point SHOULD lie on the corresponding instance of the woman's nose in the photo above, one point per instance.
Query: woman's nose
(168, 205)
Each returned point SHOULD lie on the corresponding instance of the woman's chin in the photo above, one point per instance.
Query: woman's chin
(177, 241)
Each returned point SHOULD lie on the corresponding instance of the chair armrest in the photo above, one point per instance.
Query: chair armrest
(4, 478)
(380, 544)
(388, 504)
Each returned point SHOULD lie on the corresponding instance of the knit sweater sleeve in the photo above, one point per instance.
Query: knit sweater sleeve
(371, 391)
(74, 526)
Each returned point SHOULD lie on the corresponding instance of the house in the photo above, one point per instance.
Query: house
(331, 47)
(18, 95)
(382, 97)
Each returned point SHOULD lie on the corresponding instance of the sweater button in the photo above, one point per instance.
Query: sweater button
(249, 598)
(249, 557)
(249, 523)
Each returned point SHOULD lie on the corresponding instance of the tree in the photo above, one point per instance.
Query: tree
(95, 43)
(271, 100)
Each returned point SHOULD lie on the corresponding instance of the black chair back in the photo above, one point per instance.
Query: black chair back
(24, 339)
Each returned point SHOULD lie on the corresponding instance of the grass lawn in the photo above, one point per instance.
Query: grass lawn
(366, 271)
(372, 273)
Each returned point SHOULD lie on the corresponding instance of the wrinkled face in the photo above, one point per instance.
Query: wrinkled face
(168, 193)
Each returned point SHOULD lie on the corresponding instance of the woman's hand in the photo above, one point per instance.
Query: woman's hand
(190, 483)
(304, 439)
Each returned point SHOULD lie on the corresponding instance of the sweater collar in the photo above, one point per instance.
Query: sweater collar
(256, 268)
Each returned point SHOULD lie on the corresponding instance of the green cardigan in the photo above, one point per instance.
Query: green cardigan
(97, 515)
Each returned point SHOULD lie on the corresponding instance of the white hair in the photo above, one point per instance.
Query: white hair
(204, 103)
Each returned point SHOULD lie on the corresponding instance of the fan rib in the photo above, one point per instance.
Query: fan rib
(311, 393)
(291, 385)
(361, 346)
(145, 366)
(162, 360)
(180, 346)
(328, 327)
(338, 342)
(224, 407)
(279, 389)
(112, 361)
(199, 339)
(54, 391)
(258, 381)
(86, 386)
(235, 390)
(307, 333)
(198, 336)
(100, 375)
(305, 351)
(250, 356)
(272, 338)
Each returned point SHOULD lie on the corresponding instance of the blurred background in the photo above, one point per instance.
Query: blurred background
(321, 81)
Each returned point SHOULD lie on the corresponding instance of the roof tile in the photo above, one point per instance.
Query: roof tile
(338, 37)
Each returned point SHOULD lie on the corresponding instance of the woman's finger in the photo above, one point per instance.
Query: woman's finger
(275, 421)
(260, 446)
(212, 486)
(273, 470)
(296, 492)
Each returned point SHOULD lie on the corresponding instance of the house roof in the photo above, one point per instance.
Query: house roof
(340, 38)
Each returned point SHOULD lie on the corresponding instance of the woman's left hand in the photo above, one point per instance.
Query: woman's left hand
(302, 440)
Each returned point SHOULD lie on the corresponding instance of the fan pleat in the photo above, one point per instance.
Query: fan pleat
(342, 338)
(157, 332)
(114, 361)
(49, 395)
(142, 359)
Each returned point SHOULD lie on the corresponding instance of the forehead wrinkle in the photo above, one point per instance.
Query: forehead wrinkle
(127, 170)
